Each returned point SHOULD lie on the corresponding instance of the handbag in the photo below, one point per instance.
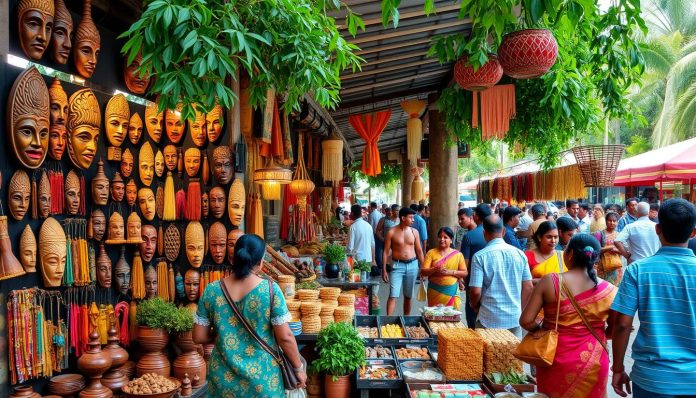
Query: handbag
(538, 348)
(584, 319)
(290, 380)
(422, 291)
(611, 262)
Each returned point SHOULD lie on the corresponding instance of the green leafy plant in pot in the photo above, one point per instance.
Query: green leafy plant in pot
(364, 267)
(334, 255)
(341, 352)
(155, 318)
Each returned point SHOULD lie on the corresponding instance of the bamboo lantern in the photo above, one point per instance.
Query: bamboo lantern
(414, 128)
(418, 185)
(332, 159)
(271, 178)
(301, 185)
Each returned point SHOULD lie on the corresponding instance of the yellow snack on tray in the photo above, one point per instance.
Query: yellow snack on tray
(499, 344)
(460, 354)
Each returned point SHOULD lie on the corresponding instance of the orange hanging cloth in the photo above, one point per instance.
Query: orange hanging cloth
(497, 107)
(277, 133)
(369, 126)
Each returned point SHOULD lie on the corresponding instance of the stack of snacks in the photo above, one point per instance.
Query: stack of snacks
(367, 332)
(307, 294)
(327, 313)
(499, 344)
(346, 299)
(329, 293)
(435, 326)
(311, 323)
(344, 314)
(460, 354)
(287, 285)
(294, 309)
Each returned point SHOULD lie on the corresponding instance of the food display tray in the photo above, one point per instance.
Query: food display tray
(387, 320)
(416, 321)
(369, 321)
(406, 365)
(520, 388)
(390, 348)
(411, 387)
(430, 354)
(384, 384)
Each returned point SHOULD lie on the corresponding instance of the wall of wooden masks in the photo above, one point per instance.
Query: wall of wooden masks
(88, 283)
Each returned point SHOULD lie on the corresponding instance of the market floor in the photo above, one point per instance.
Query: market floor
(416, 306)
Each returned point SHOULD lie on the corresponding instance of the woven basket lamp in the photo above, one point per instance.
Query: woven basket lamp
(598, 163)
(271, 178)
(414, 128)
(418, 185)
(301, 185)
(332, 159)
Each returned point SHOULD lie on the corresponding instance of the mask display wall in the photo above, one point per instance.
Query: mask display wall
(28, 117)
(135, 128)
(87, 43)
(19, 194)
(217, 202)
(198, 129)
(159, 163)
(146, 202)
(84, 120)
(52, 252)
(28, 249)
(192, 161)
(72, 193)
(192, 281)
(122, 273)
(117, 188)
(150, 282)
(98, 223)
(195, 244)
(236, 202)
(100, 186)
(44, 196)
(116, 229)
(170, 157)
(146, 164)
(153, 121)
(133, 227)
(222, 165)
(131, 193)
(148, 243)
(57, 133)
(103, 268)
(214, 123)
(217, 242)
(127, 161)
(35, 26)
(174, 125)
(62, 36)
(232, 238)
(135, 82)
(117, 117)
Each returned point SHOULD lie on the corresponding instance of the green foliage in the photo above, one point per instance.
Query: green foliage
(341, 350)
(182, 320)
(309, 285)
(156, 313)
(638, 145)
(391, 174)
(510, 377)
(334, 254)
(363, 265)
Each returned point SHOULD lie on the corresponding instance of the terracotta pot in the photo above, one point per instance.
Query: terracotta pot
(24, 392)
(152, 342)
(93, 363)
(339, 388)
(115, 379)
(152, 339)
(528, 53)
(190, 362)
(482, 78)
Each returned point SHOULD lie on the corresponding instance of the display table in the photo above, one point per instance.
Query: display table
(343, 284)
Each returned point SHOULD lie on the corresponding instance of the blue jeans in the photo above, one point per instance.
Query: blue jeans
(641, 393)
(403, 276)
(379, 250)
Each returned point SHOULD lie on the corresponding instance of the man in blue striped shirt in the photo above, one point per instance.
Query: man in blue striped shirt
(662, 289)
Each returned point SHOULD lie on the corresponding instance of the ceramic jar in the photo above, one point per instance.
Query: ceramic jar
(190, 361)
(153, 342)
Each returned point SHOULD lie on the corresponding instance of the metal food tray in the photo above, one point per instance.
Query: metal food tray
(430, 353)
(392, 319)
(415, 321)
(423, 363)
(371, 321)
(385, 384)
(390, 348)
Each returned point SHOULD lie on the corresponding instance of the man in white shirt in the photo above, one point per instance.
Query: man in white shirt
(640, 237)
(584, 218)
(375, 216)
(361, 237)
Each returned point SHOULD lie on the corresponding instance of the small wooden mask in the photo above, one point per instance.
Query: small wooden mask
(133, 228)
(153, 121)
(135, 82)
(98, 224)
(84, 121)
(222, 165)
(117, 117)
(236, 202)
(103, 268)
(19, 194)
(72, 193)
(122, 273)
(174, 125)
(52, 252)
(205, 205)
(28, 117)
(232, 238)
(146, 164)
(170, 157)
(100, 186)
(148, 243)
(44, 196)
(217, 202)
(35, 26)
(192, 161)
(217, 242)
(87, 43)
(159, 163)
(127, 162)
(214, 122)
(198, 129)
(150, 282)
(135, 128)
(192, 281)
(28, 249)
(131, 193)
(146, 202)
(117, 188)
(116, 228)
(58, 133)
(195, 244)
(62, 36)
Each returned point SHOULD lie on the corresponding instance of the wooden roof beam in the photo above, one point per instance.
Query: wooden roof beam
(408, 15)
(392, 82)
(407, 32)
(389, 69)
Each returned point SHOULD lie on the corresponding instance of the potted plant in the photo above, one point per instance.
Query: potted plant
(364, 267)
(154, 318)
(341, 352)
(189, 361)
(334, 255)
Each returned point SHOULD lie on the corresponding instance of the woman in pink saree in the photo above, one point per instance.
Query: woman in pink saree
(581, 365)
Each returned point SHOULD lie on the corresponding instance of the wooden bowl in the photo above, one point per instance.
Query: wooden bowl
(169, 394)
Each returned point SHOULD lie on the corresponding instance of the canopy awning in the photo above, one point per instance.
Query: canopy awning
(676, 162)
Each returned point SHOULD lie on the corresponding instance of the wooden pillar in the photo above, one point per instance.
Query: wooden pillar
(406, 179)
(443, 174)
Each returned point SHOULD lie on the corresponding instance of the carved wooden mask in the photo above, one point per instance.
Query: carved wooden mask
(236, 202)
(122, 273)
(153, 122)
(217, 242)
(214, 122)
(28, 118)
(135, 83)
(192, 281)
(116, 227)
(148, 244)
(116, 117)
(117, 188)
(28, 249)
(100, 186)
(170, 157)
(150, 282)
(19, 194)
(98, 222)
(52, 252)
(198, 129)
(133, 227)
(217, 202)
(195, 244)
(44, 196)
(146, 202)
(135, 128)
(174, 125)
(35, 26)
(58, 134)
(205, 205)
(232, 238)
(159, 163)
(72, 193)
(87, 43)
(222, 165)
(84, 120)
(131, 192)
(103, 268)
(192, 161)
(146, 164)
(127, 162)
(62, 36)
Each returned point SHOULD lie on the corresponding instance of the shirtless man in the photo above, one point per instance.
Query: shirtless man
(407, 257)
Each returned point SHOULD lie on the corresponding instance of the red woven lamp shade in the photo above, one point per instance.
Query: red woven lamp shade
(598, 163)
(528, 53)
(476, 80)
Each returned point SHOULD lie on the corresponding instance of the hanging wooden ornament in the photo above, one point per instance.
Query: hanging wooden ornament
(332, 159)
(414, 128)
(418, 185)
(205, 173)
(301, 185)
(271, 178)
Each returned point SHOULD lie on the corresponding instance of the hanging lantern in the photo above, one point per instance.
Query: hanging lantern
(301, 185)
(271, 178)
(418, 185)
(598, 163)
(332, 159)
(414, 128)
(480, 79)
(528, 53)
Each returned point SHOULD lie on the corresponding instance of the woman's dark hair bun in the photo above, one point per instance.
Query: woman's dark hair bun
(248, 252)
(585, 249)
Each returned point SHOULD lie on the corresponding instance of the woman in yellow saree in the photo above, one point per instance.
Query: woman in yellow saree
(581, 365)
(444, 267)
(545, 259)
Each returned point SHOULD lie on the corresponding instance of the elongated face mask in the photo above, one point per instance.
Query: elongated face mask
(192, 280)
(52, 251)
(131, 192)
(153, 122)
(205, 205)
(72, 193)
(61, 38)
(44, 196)
(170, 157)
(35, 26)
(222, 165)
(146, 164)
(175, 125)
(103, 268)
(29, 113)
(100, 186)
(217, 241)
(116, 227)
(150, 282)
(217, 202)
(98, 224)
(28, 249)
(159, 163)
(122, 274)
(87, 43)
(133, 227)
(236, 202)
(135, 128)
(146, 202)
(197, 129)
(214, 123)
(195, 244)
(84, 121)
(117, 116)
(135, 83)
(117, 188)
(58, 133)
(19, 194)
(192, 161)
(127, 163)
(232, 238)
(149, 243)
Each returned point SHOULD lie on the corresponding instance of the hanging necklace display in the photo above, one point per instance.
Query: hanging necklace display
(19, 194)
(28, 113)
(44, 196)
(68, 273)
(55, 180)
(116, 119)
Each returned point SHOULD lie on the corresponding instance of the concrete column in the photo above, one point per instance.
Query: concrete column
(443, 175)
(406, 179)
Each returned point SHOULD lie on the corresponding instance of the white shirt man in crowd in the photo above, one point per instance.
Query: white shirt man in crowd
(375, 216)
(639, 239)
(584, 219)
(361, 237)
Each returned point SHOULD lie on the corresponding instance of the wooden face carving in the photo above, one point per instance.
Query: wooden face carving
(57, 132)
(135, 128)
(103, 268)
(100, 186)
(217, 202)
(135, 83)
(149, 242)
(170, 157)
(27, 250)
(232, 238)
(217, 242)
(131, 192)
(236, 202)
(195, 244)
(117, 188)
(150, 282)
(35, 26)
(213, 123)
(61, 38)
(153, 122)
(84, 120)
(19, 194)
(205, 205)
(159, 163)
(198, 129)
(192, 281)
(222, 165)
(122, 274)
(174, 125)
(192, 161)
(116, 227)
(117, 116)
(133, 227)
(52, 252)
(87, 43)
(98, 221)
(146, 202)
(72, 193)
(127, 162)
(28, 118)
(44, 196)
(146, 164)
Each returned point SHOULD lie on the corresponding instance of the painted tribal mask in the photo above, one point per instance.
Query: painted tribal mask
(29, 115)
(35, 26)
(87, 43)
(84, 121)
(62, 36)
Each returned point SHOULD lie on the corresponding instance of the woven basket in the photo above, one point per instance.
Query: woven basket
(307, 294)
(346, 299)
(295, 316)
(293, 305)
(311, 324)
(480, 79)
(310, 308)
(172, 242)
(328, 308)
(598, 163)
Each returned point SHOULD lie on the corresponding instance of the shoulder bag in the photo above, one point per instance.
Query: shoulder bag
(584, 319)
(286, 369)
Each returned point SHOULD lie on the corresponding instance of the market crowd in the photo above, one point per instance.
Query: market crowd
(584, 271)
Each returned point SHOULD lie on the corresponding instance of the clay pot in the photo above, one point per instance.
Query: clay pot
(24, 392)
(115, 379)
(153, 341)
(93, 363)
(337, 389)
(128, 369)
(190, 361)
(66, 385)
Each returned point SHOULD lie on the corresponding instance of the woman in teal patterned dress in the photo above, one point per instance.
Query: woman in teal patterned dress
(239, 366)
